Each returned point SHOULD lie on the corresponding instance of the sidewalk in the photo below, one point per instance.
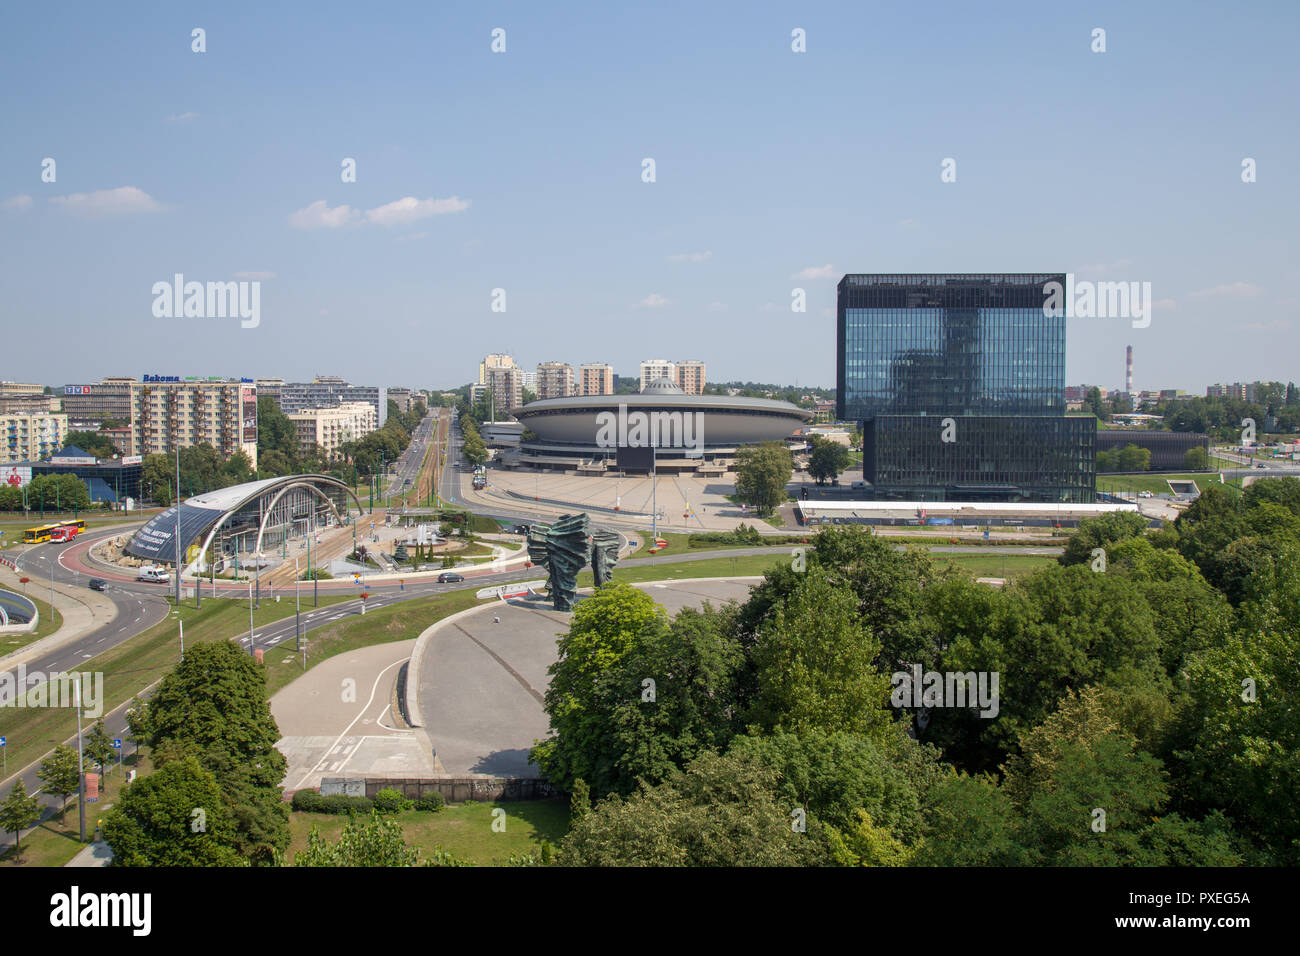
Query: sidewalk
(97, 854)
(83, 611)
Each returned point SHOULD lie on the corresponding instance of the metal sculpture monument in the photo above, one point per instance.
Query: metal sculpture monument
(564, 548)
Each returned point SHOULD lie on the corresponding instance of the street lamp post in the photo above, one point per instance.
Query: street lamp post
(81, 768)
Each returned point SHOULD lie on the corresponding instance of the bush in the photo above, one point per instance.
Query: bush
(390, 800)
(431, 802)
(309, 801)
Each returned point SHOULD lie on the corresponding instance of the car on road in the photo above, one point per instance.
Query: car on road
(153, 576)
(97, 584)
(447, 577)
(1146, 494)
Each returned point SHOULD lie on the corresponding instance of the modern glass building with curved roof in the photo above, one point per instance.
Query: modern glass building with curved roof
(251, 518)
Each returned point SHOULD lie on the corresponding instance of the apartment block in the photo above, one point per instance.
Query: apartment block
(167, 414)
(690, 376)
(331, 428)
(595, 378)
(655, 369)
(326, 391)
(506, 387)
(31, 437)
(495, 360)
(271, 387)
(554, 380)
(28, 404)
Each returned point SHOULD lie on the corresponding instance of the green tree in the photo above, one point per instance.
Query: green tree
(814, 662)
(213, 706)
(762, 472)
(372, 842)
(721, 811)
(604, 628)
(1101, 532)
(60, 774)
(828, 460)
(18, 812)
(670, 696)
(137, 721)
(969, 821)
(176, 816)
(92, 442)
(98, 748)
(1132, 458)
(1196, 459)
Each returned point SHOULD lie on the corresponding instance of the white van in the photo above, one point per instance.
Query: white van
(859, 486)
(154, 575)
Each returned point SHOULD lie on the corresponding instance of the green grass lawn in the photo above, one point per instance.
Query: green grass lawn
(50, 621)
(58, 839)
(980, 565)
(134, 665)
(1154, 483)
(464, 830)
(397, 622)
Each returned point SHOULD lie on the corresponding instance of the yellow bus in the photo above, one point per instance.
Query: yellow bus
(39, 534)
(77, 525)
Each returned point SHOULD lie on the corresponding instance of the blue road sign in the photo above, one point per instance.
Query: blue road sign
(2, 741)
(117, 743)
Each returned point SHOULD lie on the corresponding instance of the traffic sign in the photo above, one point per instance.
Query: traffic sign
(2, 741)
(117, 743)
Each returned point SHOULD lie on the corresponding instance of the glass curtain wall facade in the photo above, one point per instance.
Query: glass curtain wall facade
(916, 349)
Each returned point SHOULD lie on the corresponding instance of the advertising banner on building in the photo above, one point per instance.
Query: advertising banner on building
(16, 475)
(248, 404)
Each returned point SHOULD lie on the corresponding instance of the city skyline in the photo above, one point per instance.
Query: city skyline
(233, 171)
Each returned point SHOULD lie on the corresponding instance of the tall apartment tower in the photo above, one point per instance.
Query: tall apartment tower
(554, 380)
(1128, 371)
(690, 376)
(653, 369)
(595, 378)
(495, 360)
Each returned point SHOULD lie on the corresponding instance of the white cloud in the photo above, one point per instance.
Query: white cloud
(21, 201)
(409, 209)
(1163, 304)
(108, 202)
(717, 307)
(691, 256)
(259, 276)
(653, 301)
(769, 307)
(1277, 325)
(1237, 290)
(412, 237)
(320, 216)
(816, 272)
(182, 117)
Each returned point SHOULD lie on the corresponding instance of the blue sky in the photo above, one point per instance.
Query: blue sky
(522, 171)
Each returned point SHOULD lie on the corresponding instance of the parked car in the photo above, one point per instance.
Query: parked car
(97, 584)
(859, 486)
(448, 577)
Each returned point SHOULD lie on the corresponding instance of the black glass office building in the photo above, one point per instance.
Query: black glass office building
(915, 350)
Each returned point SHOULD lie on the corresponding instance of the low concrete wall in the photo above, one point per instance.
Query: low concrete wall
(453, 789)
